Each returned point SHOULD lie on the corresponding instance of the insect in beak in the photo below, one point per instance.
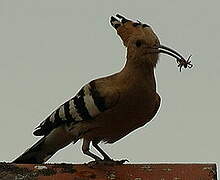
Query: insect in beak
(182, 62)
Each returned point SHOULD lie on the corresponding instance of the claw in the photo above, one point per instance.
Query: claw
(123, 161)
(111, 162)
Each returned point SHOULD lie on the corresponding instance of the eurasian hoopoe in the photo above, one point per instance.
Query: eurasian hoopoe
(109, 108)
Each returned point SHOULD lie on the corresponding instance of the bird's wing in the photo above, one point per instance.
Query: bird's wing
(88, 103)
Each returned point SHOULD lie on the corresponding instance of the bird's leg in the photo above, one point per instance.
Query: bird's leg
(106, 156)
(85, 149)
(107, 160)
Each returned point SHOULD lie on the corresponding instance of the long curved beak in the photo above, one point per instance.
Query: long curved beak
(182, 62)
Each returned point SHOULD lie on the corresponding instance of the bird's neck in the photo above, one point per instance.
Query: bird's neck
(139, 74)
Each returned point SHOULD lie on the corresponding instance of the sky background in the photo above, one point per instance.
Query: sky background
(50, 48)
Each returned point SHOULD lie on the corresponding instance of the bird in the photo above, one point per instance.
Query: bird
(108, 108)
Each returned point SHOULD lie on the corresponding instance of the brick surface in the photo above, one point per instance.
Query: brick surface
(106, 172)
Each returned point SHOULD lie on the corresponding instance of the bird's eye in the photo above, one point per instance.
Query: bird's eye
(138, 43)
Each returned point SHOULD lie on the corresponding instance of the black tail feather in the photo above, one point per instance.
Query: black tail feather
(34, 155)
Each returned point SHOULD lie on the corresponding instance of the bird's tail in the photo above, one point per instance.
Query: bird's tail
(47, 146)
(37, 154)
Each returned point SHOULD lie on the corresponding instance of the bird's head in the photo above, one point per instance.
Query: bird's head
(141, 52)
(142, 43)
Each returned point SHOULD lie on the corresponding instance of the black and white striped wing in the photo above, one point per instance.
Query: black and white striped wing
(86, 105)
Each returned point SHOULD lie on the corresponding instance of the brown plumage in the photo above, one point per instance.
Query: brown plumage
(108, 108)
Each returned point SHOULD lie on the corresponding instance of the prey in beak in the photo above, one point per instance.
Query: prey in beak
(181, 61)
(128, 29)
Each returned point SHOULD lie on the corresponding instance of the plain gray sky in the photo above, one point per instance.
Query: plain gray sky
(50, 48)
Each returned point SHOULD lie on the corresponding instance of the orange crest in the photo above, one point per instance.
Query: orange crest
(126, 29)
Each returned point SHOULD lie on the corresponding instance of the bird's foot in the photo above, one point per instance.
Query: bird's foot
(109, 162)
